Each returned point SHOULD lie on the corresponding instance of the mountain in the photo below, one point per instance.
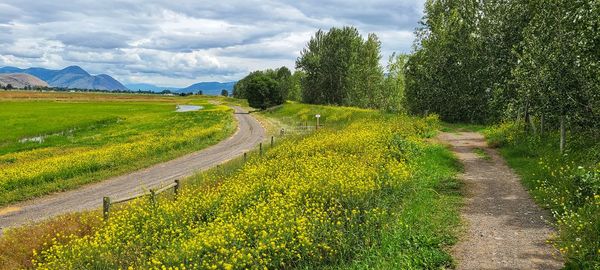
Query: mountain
(149, 87)
(21, 80)
(70, 77)
(208, 88)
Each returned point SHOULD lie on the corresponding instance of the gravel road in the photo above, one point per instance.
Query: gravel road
(505, 228)
(247, 136)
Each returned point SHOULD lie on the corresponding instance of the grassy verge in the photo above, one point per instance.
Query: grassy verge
(425, 220)
(567, 184)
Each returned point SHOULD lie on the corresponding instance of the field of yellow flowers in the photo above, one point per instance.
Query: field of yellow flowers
(84, 140)
(308, 202)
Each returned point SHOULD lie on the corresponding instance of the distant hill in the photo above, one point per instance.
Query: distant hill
(70, 77)
(149, 87)
(21, 80)
(208, 88)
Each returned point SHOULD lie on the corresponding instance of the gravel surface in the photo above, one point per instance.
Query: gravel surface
(247, 136)
(505, 228)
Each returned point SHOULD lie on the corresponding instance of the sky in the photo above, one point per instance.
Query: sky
(180, 42)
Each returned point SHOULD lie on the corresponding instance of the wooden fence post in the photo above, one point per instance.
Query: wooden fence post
(176, 187)
(153, 197)
(260, 149)
(105, 207)
(245, 156)
(271, 141)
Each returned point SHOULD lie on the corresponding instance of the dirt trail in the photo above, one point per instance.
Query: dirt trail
(505, 228)
(88, 197)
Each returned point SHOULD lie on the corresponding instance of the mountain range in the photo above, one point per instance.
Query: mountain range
(70, 77)
(207, 88)
(76, 77)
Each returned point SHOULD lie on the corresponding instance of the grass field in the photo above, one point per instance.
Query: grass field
(57, 141)
(367, 186)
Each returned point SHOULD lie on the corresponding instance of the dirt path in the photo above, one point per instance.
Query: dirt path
(248, 135)
(505, 228)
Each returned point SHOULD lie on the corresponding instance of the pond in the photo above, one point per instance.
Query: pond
(188, 108)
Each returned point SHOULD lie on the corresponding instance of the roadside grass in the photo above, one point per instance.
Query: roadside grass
(89, 137)
(567, 184)
(17, 245)
(425, 220)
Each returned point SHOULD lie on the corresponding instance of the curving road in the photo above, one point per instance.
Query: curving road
(247, 136)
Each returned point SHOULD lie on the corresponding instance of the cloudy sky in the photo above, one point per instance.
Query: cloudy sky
(179, 42)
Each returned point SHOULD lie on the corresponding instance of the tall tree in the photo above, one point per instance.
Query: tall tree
(443, 74)
(341, 68)
(392, 96)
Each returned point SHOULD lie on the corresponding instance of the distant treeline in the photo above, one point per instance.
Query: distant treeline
(60, 89)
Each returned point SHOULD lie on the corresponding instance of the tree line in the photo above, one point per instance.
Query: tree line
(534, 61)
(529, 60)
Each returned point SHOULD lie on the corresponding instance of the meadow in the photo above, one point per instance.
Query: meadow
(57, 141)
(341, 197)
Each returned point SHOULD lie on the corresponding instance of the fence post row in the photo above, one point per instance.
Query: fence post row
(106, 200)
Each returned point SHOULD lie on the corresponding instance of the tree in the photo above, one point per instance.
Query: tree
(224, 93)
(295, 90)
(443, 74)
(392, 97)
(9, 86)
(282, 76)
(558, 75)
(199, 92)
(263, 92)
(342, 68)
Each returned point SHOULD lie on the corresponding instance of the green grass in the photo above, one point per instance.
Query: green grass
(425, 222)
(298, 114)
(460, 127)
(90, 137)
(482, 154)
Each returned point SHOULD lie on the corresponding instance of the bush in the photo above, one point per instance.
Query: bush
(263, 92)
